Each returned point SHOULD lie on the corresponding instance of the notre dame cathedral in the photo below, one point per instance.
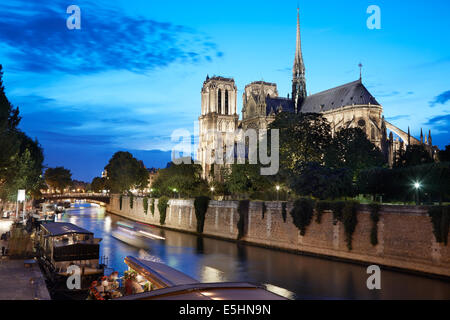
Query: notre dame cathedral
(347, 106)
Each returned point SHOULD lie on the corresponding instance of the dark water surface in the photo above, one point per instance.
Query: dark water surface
(288, 274)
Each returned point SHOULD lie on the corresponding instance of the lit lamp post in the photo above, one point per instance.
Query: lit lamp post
(417, 187)
(212, 192)
(175, 192)
(278, 189)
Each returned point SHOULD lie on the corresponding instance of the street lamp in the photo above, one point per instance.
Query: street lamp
(212, 192)
(278, 189)
(174, 191)
(417, 186)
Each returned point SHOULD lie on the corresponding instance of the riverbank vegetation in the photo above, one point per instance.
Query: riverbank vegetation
(21, 158)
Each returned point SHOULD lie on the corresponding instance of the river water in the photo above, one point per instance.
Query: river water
(210, 260)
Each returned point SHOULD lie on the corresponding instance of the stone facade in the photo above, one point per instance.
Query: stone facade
(254, 114)
(219, 114)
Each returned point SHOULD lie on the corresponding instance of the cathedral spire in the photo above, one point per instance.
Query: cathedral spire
(298, 71)
(298, 62)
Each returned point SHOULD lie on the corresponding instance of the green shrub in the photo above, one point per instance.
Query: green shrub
(264, 209)
(201, 206)
(243, 214)
(337, 207)
(120, 202)
(440, 218)
(152, 207)
(349, 219)
(145, 204)
(321, 206)
(375, 217)
(302, 213)
(284, 211)
(131, 200)
(163, 203)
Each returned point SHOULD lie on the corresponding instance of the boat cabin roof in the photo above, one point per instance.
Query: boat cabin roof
(208, 291)
(175, 285)
(62, 228)
(158, 273)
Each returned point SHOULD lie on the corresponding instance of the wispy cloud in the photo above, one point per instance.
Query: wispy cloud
(434, 63)
(38, 40)
(440, 122)
(441, 99)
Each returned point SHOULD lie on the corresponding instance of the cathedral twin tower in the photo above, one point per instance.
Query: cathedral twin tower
(219, 104)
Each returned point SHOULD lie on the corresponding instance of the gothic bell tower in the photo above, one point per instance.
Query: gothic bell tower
(219, 116)
(298, 71)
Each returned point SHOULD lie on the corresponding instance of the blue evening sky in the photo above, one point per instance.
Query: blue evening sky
(134, 71)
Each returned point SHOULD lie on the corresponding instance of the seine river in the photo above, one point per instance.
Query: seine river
(291, 275)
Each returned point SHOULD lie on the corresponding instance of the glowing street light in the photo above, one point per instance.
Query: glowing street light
(278, 189)
(417, 186)
(212, 192)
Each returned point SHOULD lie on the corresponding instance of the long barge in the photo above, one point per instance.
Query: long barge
(60, 247)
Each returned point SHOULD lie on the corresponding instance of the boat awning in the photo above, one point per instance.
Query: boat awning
(62, 228)
(208, 291)
(159, 274)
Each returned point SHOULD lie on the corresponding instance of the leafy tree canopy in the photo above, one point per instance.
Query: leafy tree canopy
(304, 138)
(245, 179)
(58, 178)
(322, 182)
(185, 178)
(351, 149)
(444, 155)
(20, 157)
(125, 172)
(98, 184)
(413, 156)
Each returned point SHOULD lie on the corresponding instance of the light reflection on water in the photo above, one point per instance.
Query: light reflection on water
(291, 275)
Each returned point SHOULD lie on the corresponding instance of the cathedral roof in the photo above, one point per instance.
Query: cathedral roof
(261, 82)
(346, 95)
(220, 78)
(273, 104)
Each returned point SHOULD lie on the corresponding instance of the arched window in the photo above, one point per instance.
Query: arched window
(226, 101)
(219, 102)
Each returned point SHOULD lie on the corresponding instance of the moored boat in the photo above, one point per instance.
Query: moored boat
(64, 247)
(149, 280)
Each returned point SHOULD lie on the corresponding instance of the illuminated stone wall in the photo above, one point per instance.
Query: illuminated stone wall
(405, 237)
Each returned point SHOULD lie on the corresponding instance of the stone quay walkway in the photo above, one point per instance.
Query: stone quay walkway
(22, 280)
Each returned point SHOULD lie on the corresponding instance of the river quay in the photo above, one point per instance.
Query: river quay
(22, 280)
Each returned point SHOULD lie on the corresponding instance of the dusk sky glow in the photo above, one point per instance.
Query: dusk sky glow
(134, 71)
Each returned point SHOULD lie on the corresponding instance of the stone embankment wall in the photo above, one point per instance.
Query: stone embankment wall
(405, 235)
